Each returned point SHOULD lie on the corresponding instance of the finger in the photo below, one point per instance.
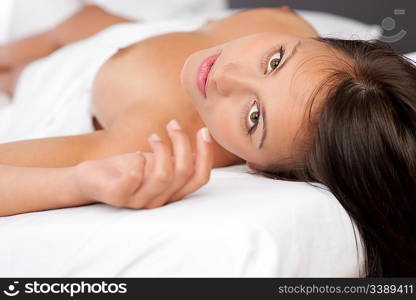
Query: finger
(182, 152)
(131, 180)
(5, 81)
(149, 157)
(183, 162)
(160, 176)
(203, 165)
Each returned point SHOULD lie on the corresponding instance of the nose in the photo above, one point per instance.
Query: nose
(231, 79)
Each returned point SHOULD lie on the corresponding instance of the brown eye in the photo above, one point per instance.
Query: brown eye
(274, 62)
(253, 116)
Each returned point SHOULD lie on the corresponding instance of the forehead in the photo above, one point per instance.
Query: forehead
(287, 97)
(309, 67)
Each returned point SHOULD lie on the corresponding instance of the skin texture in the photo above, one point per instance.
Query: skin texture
(241, 79)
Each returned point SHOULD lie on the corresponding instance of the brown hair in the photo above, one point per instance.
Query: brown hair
(364, 151)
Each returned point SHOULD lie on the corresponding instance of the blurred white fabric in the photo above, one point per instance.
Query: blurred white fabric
(20, 18)
(5, 13)
(412, 56)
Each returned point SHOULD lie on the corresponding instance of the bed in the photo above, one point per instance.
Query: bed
(238, 225)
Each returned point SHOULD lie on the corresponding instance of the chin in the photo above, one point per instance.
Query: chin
(187, 77)
(183, 75)
(188, 82)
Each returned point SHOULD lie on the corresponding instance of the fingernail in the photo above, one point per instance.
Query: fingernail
(174, 125)
(154, 137)
(205, 135)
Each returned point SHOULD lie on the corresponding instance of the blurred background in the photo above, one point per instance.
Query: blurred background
(396, 18)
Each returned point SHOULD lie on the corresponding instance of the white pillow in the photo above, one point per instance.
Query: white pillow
(412, 56)
(330, 25)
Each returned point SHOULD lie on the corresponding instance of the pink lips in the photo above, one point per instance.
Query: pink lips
(203, 72)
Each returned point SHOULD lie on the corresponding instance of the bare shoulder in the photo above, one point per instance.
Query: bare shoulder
(250, 21)
(144, 74)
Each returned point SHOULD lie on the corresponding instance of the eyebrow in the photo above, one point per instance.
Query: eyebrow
(263, 111)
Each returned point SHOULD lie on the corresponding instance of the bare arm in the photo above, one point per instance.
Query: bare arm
(134, 180)
(33, 189)
(128, 133)
(55, 152)
(86, 22)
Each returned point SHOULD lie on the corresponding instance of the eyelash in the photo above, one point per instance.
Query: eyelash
(248, 107)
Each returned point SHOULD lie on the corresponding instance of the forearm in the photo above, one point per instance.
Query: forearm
(55, 152)
(23, 51)
(34, 189)
(86, 22)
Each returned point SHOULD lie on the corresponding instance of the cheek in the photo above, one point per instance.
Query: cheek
(226, 130)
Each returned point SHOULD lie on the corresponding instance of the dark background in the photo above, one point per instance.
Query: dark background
(368, 11)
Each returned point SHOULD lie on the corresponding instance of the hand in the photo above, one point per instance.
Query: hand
(9, 78)
(6, 81)
(148, 180)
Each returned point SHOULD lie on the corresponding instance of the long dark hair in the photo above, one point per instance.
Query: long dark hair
(364, 151)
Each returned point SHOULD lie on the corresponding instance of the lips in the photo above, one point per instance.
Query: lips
(203, 73)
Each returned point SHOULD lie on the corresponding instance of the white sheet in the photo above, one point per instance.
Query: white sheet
(236, 225)
(412, 56)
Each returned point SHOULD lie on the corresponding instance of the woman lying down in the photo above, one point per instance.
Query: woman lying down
(272, 93)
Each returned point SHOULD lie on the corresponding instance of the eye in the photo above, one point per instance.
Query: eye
(274, 61)
(253, 116)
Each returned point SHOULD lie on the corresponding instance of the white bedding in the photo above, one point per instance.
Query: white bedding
(236, 225)
(412, 56)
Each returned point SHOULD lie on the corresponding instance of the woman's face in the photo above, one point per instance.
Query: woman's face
(256, 92)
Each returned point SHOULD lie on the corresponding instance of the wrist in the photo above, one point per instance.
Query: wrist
(77, 196)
